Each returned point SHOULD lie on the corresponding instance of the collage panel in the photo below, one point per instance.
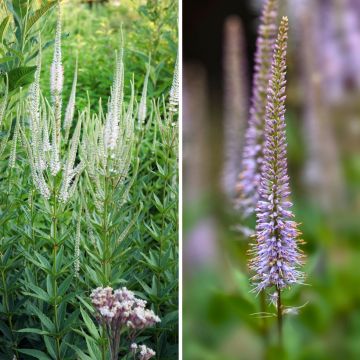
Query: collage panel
(270, 179)
(89, 94)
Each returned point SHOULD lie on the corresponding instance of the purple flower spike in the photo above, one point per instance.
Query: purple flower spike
(277, 256)
(249, 178)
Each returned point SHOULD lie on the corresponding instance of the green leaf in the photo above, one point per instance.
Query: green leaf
(38, 14)
(6, 59)
(33, 331)
(45, 321)
(49, 286)
(50, 346)
(65, 285)
(21, 76)
(80, 353)
(38, 292)
(5, 330)
(59, 259)
(3, 27)
(34, 353)
(90, 324)
(15, 52)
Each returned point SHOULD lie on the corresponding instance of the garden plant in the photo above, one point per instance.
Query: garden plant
(89, 192)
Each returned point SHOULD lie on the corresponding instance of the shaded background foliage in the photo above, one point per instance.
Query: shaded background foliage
(322, 129)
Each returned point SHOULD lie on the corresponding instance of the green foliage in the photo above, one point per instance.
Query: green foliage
(45, 310)
(18, 39)
(95, 33)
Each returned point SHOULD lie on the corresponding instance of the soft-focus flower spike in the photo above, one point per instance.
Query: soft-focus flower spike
(142, 106)
(277, 257)
(70, 109)
(249, 177)
(174, 91)
(235, 101)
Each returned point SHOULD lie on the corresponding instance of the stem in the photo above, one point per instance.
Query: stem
(103, 344)
(54, 233)
(105, 232)
(279, 317)
(264, 327)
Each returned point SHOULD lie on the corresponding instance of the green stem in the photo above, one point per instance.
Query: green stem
(279, 317)
(264, 325)
(103, 343)
(7, 310)
(105, 267)
(54, 220)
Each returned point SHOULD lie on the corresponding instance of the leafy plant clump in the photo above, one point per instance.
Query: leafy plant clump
(89, 200)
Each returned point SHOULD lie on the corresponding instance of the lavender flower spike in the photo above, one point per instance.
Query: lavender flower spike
(247, 186)
(277, 256)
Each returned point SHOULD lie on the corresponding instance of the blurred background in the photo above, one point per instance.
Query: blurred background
(323, 130)
(91, 32)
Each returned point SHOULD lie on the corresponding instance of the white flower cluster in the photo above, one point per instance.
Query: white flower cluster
(142, 106)
(70, 109)
(115, 103)
(45, 123)
(56, 71)
(144, 352)
(122, 308)
(174, 91)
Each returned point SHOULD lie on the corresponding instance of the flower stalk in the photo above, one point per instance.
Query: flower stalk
(276, 254)
(249, 178)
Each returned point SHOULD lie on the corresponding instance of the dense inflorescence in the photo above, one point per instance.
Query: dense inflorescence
(174, 91)
(249, 178)
(142, 106)
(276, 253)
(114, 114)
(120, 309)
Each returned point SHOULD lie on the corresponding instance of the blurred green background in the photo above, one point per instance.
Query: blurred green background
(323, 129)
(91, 31)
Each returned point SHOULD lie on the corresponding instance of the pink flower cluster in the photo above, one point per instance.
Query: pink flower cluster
(121, 308)
(145, 353)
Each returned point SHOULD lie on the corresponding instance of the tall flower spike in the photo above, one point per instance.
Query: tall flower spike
(113, 116)
(174, 91)
(277, 256)
(235, 101)
(70, 109)
(247, 187)
(142, 105)
(57, 78)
